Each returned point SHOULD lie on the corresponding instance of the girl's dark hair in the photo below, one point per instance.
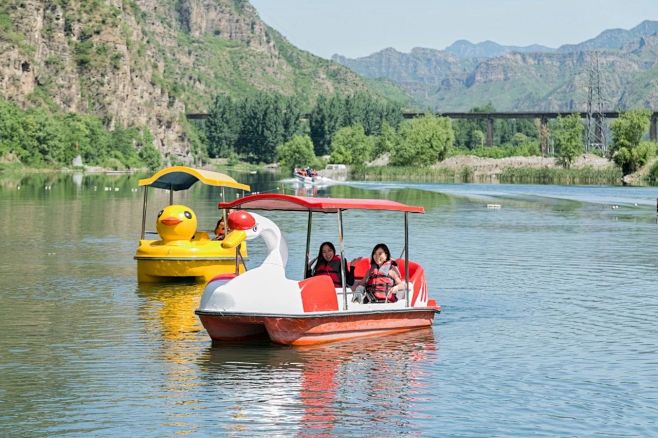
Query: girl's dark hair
(386, 251)
(320, 258)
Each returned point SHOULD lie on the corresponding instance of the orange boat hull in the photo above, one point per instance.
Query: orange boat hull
(310, 329)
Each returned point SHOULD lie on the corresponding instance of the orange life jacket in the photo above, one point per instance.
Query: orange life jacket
(330, 268)
(380, 281)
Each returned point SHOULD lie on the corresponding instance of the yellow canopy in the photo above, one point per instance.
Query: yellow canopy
(182, 178)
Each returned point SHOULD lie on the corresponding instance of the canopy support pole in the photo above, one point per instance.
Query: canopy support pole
(146, 192)
(237, 258)
(406, 256)
(342, 257)
(171, 194)
(308, 243)
(224, 215)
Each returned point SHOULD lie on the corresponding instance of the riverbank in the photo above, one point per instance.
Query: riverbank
(586, 169)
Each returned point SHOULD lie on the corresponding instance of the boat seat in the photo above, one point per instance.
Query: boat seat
(361, 267)
(201, 235)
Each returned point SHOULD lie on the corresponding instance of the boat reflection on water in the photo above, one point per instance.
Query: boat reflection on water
(311, 190)
(367, 385)
(168, 309)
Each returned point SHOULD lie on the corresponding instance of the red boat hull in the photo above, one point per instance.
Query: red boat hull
(309, 329)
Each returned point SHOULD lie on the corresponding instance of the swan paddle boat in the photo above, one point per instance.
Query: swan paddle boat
(262, 301)
(183, 252)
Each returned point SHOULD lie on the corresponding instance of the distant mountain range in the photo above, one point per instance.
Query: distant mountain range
(534, 77)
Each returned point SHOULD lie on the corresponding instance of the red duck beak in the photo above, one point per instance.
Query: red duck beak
(171, 221)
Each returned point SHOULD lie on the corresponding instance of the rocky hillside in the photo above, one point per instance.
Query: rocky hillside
(613, 38)
(145, 63)
(528, 81)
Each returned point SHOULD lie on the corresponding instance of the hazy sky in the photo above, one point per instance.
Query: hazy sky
(360, 27)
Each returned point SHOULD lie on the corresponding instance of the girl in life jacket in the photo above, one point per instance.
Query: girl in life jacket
(328, 263)
(383, 279)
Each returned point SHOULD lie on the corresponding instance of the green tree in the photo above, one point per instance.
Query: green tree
(567, 135)
(150, 156)
(627, 151)
(423, 141)
(262, 130)
(519, 139)
(267, 120)
(11, 130)
(387, 140)
(465, 130)
(222, 127)
(78, 133)
(296, 152)
(91, 138)
(324, 120)
(352, 146)
(291, 117)
(477, 138)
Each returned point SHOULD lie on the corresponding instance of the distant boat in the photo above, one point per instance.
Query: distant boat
(309, 176)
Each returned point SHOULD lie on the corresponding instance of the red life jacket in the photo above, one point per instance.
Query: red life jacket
(330, 268)
(379, 282)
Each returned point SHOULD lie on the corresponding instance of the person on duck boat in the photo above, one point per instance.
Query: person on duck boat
(220, 227)
(383, 281)
(328, 263)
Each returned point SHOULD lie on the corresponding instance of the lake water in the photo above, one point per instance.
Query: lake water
(548, 328)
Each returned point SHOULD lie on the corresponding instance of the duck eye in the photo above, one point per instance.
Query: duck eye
(188, 215)
(160, 214)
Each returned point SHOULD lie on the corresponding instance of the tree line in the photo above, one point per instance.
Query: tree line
(353, 130)
(38, 137)
(253, 127)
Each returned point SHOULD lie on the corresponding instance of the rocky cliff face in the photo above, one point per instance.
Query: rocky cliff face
(144, 63)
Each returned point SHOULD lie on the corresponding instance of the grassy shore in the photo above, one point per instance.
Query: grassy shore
(520, 175)
(584, 175)
(587, 169)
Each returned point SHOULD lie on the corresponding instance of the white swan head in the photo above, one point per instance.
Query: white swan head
(248, 226)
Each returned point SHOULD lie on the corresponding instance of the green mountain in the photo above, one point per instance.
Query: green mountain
(490, 49)
(626, 63)
(613, 38)
(145, 63)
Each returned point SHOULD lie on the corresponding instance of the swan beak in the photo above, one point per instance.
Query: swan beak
(234, 238)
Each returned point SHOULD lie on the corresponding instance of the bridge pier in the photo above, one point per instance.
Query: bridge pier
(543, 135)
(490, 131)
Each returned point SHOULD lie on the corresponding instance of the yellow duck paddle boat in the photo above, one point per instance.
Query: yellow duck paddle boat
(182, 251)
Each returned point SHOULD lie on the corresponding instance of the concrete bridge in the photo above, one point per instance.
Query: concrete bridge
(543, 117)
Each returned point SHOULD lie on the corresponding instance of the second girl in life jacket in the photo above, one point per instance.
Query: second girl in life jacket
(383, 281)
